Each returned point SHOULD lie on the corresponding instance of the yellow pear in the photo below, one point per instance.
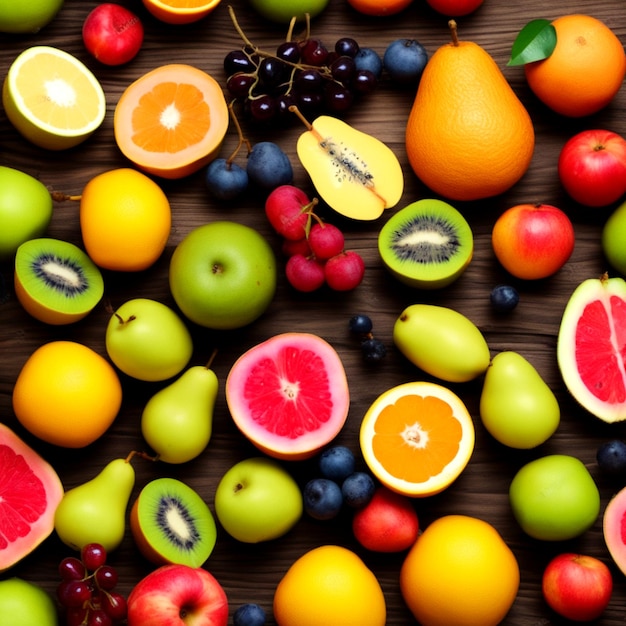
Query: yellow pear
(468, 135)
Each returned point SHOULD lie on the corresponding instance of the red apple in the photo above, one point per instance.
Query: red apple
(178, 595)
(388, 523)
(112, 34)
(592, 167)
(455, 8)
(533, 241)
(577, 587)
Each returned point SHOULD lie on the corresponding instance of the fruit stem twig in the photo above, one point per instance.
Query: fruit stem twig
(143, 455)
(59, 196)
(211, 358)
(242, 138)
(453, 32)
(294, 109)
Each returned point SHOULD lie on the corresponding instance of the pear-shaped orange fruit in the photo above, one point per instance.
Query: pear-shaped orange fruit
(468, 135)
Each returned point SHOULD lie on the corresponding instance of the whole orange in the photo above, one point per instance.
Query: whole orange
(67, 394)
(379, 7)
(125, 220)
(585, 70)
(459, 572)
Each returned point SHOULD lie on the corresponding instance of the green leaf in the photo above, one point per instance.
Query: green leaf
(535, 42)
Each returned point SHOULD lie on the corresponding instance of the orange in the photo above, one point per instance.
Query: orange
(379, 7)
(459, 572)
(125, 220)
(52, 98)
(585, 70)
(468, 135)
(330, 586)
(171, 121)
(417, 438)
(67, 394)
(180, 11)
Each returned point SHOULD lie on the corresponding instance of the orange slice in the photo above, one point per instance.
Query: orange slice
(52, 98)
(171, 121)
(417, 438)
(180, 11)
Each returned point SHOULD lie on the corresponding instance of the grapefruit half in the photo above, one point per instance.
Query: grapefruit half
(289, 395)
(591, 347)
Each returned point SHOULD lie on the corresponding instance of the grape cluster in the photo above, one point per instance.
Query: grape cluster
(302, 73)
(87, 589)
(373, 349)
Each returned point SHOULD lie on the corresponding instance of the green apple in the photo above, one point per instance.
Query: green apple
(613, 237)
(258, 500)
(223, 275)
(554, 498)
(27, 17)
(25, 604)
(25, 209)
(147, 340)
(281, 11)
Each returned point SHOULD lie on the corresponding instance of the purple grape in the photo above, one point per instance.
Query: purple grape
(288, 51)
(343, 69)
(238, 61)
(347, 46)
(240, 84)
(313, 52)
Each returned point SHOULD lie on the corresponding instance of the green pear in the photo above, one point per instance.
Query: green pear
(177, 421)
(517, 407)
(95, 512)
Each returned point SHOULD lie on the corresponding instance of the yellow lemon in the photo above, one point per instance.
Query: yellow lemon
(67, 394)
(52, 98)
(329, 586)
(459, 572)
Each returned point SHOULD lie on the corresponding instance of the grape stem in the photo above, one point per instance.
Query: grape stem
(241, 137)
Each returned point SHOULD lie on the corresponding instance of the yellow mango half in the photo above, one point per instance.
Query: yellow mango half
(356, 174)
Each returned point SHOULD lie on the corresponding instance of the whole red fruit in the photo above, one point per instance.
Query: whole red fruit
(288, 210)
(344, 271)
(533, 241)
(455, 8)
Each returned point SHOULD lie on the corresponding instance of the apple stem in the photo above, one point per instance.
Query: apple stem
(122, 320)
(211, 358)
(453, 32)
(59, 196)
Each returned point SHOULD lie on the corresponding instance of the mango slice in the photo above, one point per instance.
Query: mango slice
(356, 174)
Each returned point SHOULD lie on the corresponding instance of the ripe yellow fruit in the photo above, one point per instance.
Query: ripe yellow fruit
(67, 394)
(468, 135)
(329, 585)
(459, 572)
(125, 220)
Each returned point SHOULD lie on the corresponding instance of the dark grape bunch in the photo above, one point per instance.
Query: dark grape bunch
(373, 349)
(87, 589)
(303, 73)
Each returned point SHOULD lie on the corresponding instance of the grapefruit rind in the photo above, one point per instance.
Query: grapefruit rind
(601, 387)
(613, 524)
(438, 482)
(251, 387)
(26, 480)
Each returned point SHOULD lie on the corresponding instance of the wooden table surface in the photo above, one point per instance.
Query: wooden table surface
(249, 573)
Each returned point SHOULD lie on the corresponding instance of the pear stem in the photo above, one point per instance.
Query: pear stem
(453, 32)
(213, 355)
(143, 455)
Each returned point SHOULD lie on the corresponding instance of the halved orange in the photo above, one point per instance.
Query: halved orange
(52, 98)
(171, 121)
(417, 438)
(180, 11)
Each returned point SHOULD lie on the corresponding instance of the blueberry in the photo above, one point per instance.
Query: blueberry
(405, 60)
(249, 615)
(373, 350)
(360, 324)
(337, 463)
(369, 59)
(322, 498)
(504, 298)
(224, 180)
(611, 457)
(358, 489)
(268, 166)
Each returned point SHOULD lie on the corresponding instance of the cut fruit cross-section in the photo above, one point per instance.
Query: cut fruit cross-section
(180, 11)
(417, 438)
(171, 121)
(52, 98)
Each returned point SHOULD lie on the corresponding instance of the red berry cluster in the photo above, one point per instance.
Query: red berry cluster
(315, 249)
(86, 590)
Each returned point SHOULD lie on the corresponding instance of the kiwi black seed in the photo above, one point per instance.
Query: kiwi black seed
(56, 281)
(427, 244)
(171, 523)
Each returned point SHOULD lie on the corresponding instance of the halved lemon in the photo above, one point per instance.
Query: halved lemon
(180, 11)
(52, 98)
(417, 438)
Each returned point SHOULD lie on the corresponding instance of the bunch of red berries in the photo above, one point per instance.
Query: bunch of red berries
(315, 249)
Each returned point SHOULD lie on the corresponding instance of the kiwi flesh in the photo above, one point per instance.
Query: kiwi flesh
(55, 281)
(427, 244)
(171, 523)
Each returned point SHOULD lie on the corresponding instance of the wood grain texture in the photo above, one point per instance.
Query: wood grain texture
(250, 573)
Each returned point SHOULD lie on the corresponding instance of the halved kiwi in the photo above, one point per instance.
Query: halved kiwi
(427, 244)
(55, 281)
(171, 523)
